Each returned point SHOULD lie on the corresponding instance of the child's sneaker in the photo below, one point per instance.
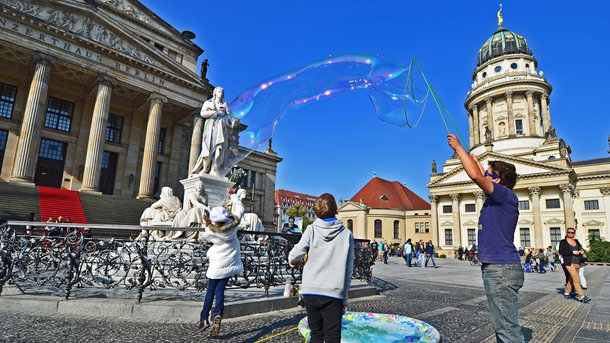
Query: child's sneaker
(567, 296)
(584, 299)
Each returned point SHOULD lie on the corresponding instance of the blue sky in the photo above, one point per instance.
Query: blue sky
(336, 145)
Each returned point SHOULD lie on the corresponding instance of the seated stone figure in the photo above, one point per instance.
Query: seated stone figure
(161, 213)
(247, 221)
(193, 215)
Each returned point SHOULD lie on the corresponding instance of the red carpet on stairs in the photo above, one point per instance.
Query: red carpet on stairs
(55, 202)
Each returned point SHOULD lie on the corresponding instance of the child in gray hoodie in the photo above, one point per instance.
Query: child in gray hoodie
(327, 273)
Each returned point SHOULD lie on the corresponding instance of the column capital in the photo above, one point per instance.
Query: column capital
(455, 196)
(106, 80)
(42, 58)
(566, 188)
(605, 191)
(473, 108)
(508, 94)
(433, 198)
(534, 190)
(544, 95)
(158, 98)
(529, 94)
(479, 195)
(488, 100)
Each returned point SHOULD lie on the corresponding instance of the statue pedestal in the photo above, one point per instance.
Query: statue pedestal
(215, 188)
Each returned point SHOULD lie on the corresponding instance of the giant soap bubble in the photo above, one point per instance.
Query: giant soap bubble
(397, 93)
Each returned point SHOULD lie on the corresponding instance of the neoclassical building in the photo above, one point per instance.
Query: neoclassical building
(103, 96)
(509, 119)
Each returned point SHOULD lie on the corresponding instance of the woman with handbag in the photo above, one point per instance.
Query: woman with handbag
(572, 253)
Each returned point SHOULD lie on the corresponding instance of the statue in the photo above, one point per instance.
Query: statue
(204, 69)
(195, 212)
(500, 19)
(215, 141)
(550, 134)
(161, 213)
(433, 166)
(247, 221)
(487, 135)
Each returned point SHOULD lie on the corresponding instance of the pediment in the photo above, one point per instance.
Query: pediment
(525, 221)
(105, 27)
(593, 223)
(446, 223)
(350, 206)
(470, 223)
(525, 168)
(554, 221)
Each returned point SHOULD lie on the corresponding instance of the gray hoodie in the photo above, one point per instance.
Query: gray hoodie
(330, 259)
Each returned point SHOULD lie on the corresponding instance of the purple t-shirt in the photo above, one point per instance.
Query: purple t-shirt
(497, 224)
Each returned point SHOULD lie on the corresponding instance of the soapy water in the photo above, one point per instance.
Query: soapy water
(399, 94)
(379, 327)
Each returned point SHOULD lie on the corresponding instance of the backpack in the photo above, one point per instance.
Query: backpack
(527, 267)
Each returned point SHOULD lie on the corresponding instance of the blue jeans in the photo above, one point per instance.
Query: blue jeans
(408, 258)
(216, 288)
(428, 257)
(502, 283)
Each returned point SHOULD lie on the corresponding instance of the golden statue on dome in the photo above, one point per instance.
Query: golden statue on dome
(500, 19)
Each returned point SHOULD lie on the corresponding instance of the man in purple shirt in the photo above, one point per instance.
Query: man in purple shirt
(501, 268)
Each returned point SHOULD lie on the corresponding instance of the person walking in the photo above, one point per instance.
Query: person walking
(224, 259)
(501, 268)
(572, 253)
(420, 251)
(327, 273)
(408, 250)
(430, 250)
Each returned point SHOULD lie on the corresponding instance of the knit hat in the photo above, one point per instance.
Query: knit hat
(219, 215)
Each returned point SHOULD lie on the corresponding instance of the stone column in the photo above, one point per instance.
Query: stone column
(470, 126)
(456, 218)
(151, 145)
(490, 119)
(97, 134)
(605, 192)
(434, 218)
(530, 113)
(33, 116)
(535, 196)
(480, 199)
(476, 125)
(546, 117)
(511, 116)
(568, 208)
(196, 140)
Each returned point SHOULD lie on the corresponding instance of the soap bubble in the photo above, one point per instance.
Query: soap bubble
(397, 93)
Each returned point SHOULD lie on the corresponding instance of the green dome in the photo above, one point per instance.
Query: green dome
(503, 42)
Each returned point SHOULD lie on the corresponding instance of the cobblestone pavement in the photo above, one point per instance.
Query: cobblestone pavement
(451, 298)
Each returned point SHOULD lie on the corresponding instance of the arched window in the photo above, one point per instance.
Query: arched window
(396, 233)
(378, 231)
(350, 225)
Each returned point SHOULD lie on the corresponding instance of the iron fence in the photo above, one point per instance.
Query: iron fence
(73, 258)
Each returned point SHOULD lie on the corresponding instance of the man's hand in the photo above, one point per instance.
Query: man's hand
(453, 141)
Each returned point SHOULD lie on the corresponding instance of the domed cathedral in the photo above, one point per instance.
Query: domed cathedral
(509, 119)
(103, 97)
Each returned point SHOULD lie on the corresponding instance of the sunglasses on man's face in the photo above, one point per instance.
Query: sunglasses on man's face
(571, 232)
(491, 175)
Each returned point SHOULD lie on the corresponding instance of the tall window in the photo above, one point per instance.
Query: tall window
(552, 203)
(52, 149)
(449, 236)
(519, 126)
(416, 227)
(59, 114)
(591, 205)
(593, 233)
(114, 128)
(470, 207)
(524, 235)
(156, 188)
(378, 231)
(555, 236)
(427, 225)
(447, 208)
(524, 205)
(472, 237)
(3, 138)
(162, 133)
(396, 233)
(350, 225)
(7, 100)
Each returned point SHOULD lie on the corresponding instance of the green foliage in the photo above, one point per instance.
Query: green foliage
(599, 250)
(443, 256)
(299, 211)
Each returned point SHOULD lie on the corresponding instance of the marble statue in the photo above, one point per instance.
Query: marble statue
(193, 214)
(215, 141)
(247, 221)
(161, 213)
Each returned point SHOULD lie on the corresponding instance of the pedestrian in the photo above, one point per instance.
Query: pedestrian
(430, 250)
(224, 261)
(563, 266)
(501, 267)
(522, 254)
(408, 248)
(460, 252)
(541, 262)
(386, 251)
(550, 258)
(327, 273)
(572, 253)
(420, 251)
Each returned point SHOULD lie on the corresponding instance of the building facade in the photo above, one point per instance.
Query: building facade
(104, 97)
(387, 211)
(285, 199)
(509, 119)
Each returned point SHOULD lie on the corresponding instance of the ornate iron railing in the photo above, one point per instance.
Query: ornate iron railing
(76, 259)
